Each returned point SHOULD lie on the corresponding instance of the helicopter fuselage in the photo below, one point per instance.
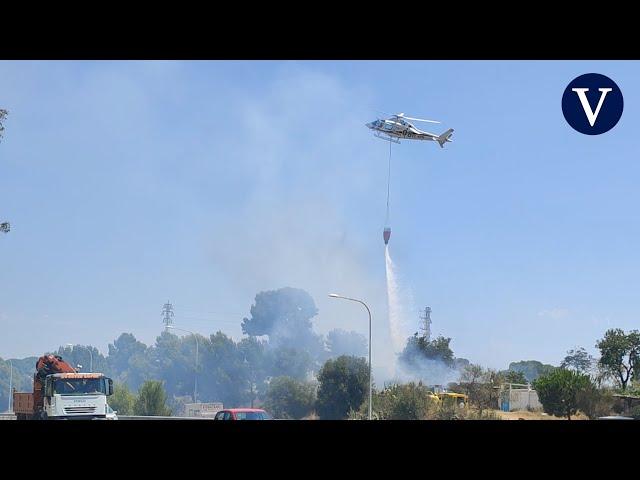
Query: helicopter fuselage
(400, 130)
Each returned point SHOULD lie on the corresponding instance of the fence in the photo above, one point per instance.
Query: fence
(518, 397)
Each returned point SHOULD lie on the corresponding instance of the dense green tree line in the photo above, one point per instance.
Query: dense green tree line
(279, 341)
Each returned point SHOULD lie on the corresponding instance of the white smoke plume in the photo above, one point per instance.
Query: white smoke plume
(428, 371)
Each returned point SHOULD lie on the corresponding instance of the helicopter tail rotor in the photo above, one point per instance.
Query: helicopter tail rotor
(444, 138)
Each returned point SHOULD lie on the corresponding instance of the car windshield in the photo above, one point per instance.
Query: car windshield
(79, 386)
(252, 416)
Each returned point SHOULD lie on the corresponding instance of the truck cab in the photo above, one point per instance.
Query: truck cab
(76, 396)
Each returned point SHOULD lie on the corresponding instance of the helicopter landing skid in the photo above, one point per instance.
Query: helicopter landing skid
(386, 137)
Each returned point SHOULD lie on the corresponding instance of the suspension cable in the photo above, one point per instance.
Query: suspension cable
(388, 184)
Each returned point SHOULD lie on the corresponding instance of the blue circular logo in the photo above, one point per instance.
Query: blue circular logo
(592, 104)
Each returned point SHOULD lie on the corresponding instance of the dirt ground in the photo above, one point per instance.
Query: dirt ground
(526, 415)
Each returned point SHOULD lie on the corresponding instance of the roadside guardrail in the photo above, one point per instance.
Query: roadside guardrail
(11, 416)
(137, 417)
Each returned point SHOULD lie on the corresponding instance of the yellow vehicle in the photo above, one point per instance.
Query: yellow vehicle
(452, 398)
(433, 396)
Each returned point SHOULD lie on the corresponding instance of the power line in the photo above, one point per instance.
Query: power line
(209, 320)
(189, 310)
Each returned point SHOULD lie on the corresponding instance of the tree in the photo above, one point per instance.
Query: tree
(18, 373)
(344, 384)
(620, 354)
(460, 363)
(559, 391)
(513, 376)
(481, 386)
(409, 401)
(129, 361)
(531, 369)
(121, 350)
(173, 360)
(285, 315)
(122, 400)
(225, 377)
(342, 342)
(419, 346)
(84, 355)
(290, 362)
(595, 402)
(258, 362)
(578, 360)
(277, 310)
(288, 398)
(471, 381)
(151, 400)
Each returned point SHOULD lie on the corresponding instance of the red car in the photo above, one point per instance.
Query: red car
(242, 414)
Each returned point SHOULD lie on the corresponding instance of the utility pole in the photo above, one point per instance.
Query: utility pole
(167, 316)
(426, 325)
(4, 226)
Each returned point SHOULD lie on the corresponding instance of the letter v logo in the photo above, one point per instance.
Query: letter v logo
(591, 116)
(587, 91)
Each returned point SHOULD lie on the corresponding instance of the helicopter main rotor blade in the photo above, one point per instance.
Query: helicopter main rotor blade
(399, 115)
(387, 114)
(421, 120)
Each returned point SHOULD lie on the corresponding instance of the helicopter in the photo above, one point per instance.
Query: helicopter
(397, 127)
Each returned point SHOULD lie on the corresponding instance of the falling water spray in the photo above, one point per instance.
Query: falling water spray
(395, 301)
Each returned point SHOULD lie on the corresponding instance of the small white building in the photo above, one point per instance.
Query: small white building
(204, 410)
(515, 396)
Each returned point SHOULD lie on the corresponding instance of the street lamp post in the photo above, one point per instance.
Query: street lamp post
(10, 385)
(90, 354)
(246, 362)
(195, 385)
(334, 295)
(90, 359)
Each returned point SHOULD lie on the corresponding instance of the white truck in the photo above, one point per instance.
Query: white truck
(65, 394)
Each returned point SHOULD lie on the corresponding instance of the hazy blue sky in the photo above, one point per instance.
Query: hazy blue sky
(132, 183)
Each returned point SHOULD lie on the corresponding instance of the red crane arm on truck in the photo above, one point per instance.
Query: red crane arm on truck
(26, 405)
(47, 365)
